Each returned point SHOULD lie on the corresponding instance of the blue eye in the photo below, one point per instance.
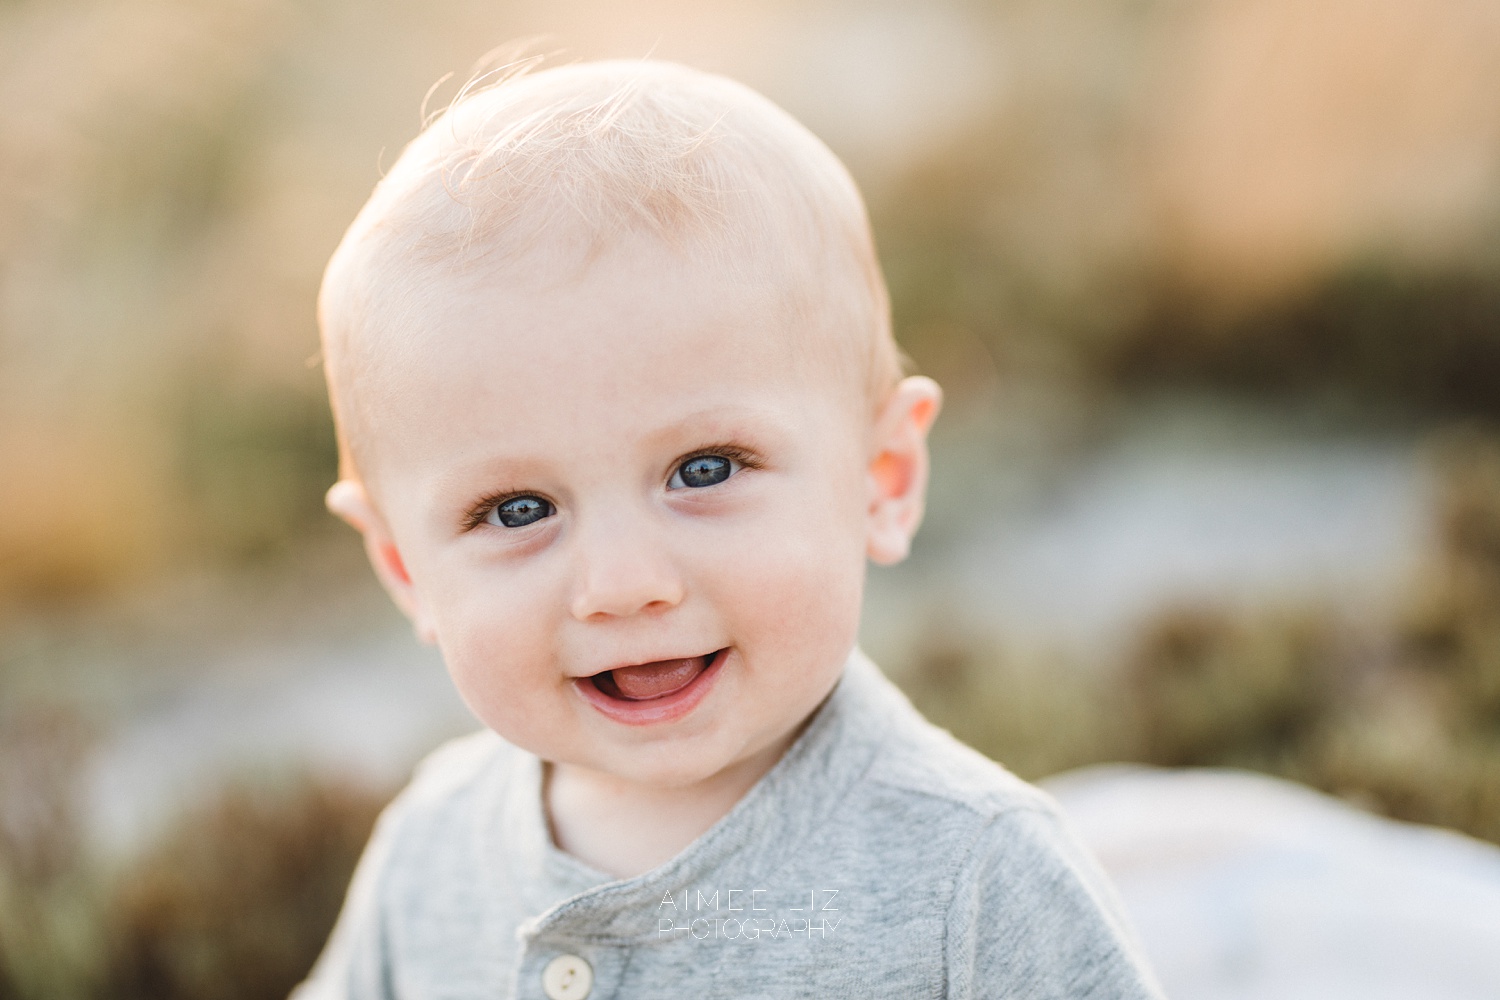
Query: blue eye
(703, 470)
(518, 512)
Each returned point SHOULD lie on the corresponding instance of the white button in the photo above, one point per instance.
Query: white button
(567, 977)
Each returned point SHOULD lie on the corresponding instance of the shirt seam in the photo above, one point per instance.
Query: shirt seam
(963, 863)
(969, 853)
(986, 811)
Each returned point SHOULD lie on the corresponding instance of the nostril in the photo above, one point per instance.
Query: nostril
(621, 567)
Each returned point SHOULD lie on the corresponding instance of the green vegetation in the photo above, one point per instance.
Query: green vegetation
(233, 904)
(236, 904)
(1399, 716)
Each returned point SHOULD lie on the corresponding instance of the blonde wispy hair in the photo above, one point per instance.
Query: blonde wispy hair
(546, 169)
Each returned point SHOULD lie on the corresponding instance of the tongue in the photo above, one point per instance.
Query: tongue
(653, 680)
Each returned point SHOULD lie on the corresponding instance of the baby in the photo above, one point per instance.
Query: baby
(621, 420)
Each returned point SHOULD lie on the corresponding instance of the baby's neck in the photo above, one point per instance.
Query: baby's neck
(623, 828)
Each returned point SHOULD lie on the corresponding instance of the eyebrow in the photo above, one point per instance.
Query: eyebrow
(720, 421)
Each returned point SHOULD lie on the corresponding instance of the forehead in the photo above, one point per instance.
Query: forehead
(631, 344)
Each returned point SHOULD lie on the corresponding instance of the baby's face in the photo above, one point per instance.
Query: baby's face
(631, 515)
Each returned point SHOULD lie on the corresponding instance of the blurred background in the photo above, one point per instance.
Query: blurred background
(1213, 286)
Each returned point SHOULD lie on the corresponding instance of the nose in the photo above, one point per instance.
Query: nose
(623, 569)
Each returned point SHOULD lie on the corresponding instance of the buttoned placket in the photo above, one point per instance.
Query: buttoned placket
(603, 922)
(554, 968)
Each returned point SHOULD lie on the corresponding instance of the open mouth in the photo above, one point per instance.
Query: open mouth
(652, 692)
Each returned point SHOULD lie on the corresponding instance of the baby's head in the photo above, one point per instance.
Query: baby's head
(620, 415)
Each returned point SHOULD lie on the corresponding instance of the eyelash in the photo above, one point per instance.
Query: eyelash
(477, 514)
(743, 456)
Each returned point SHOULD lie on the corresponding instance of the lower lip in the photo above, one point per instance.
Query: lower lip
(654, 711)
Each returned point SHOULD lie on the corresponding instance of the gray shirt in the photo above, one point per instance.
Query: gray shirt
(880, 857)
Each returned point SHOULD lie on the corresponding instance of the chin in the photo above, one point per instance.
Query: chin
(669, 774)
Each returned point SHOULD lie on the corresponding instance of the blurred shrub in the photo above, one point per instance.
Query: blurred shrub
(1377, 335)
(40, 753)
(48, 899)
(1449, 646)
(1401, 716)
(1453, 630)
(238, 902)
(1145, 203)
(153, 214)
(1209, 689)
(992, 237)
(234, 904)
(253, 464)
(1035, 715)
(965, 240)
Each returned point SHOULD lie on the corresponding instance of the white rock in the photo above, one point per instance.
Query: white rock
(1247, 887)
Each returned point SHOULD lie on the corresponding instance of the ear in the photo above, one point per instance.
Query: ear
(349, 499)
(898, 468)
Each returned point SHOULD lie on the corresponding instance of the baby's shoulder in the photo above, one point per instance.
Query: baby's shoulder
(920, 760)
(1020, 894)
(456, 776)
(944, 808)
(461, 760)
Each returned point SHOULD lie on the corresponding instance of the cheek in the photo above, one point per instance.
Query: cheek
(496, 635)
(795, 583)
